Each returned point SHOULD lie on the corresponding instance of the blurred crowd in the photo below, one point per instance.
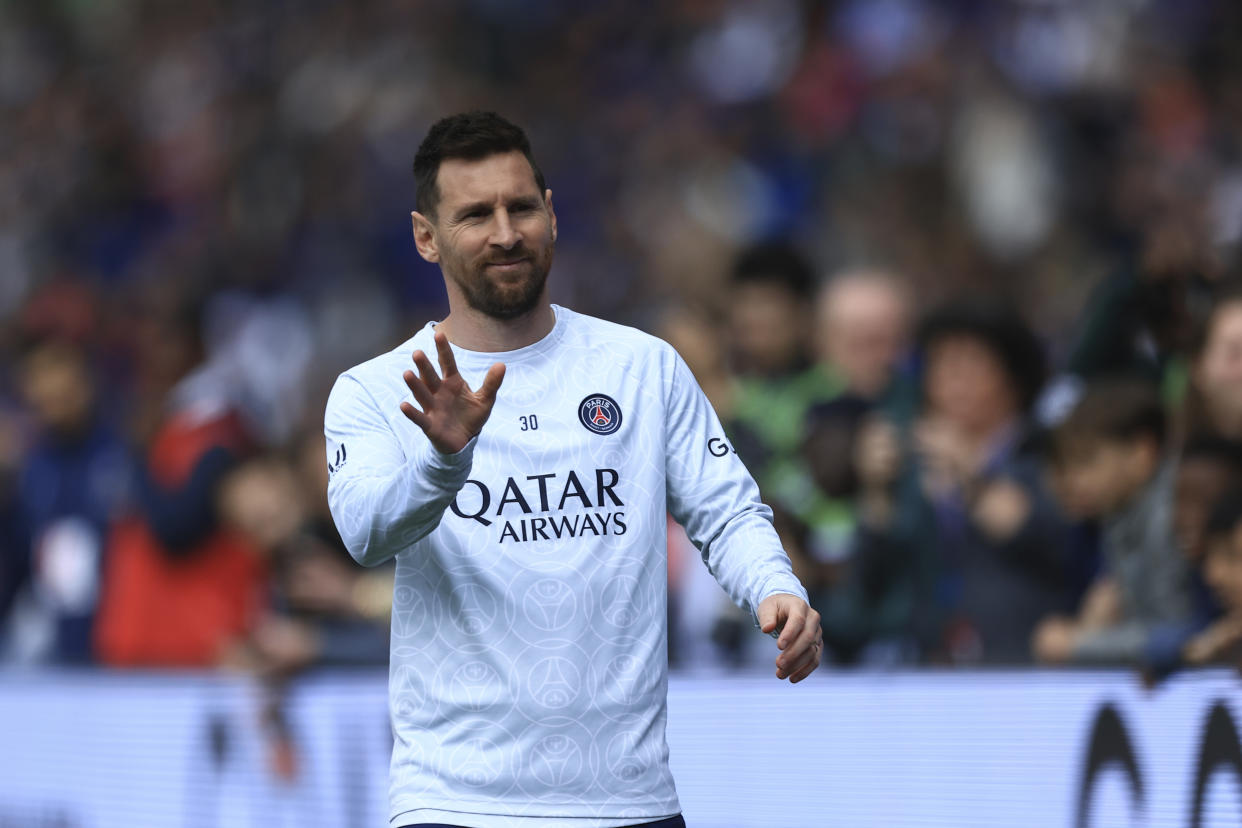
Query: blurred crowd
(958, 277)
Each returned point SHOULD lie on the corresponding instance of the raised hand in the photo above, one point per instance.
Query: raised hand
(451, 413)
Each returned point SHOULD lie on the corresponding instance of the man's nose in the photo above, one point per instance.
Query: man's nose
(505, 234)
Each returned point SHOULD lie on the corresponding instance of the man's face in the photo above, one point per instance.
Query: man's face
(493, 234)
(862, 332)
(967, 383)
(1096, 478)
(55, 383)
(768, 325)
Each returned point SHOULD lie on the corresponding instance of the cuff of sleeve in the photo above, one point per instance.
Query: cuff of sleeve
(445, 469)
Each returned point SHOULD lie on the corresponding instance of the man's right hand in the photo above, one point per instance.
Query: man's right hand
(451, 413)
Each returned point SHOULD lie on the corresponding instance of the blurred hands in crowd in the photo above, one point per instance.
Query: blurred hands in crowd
(1054, 639)
(878, 454)
(1215, 642)
(949, 457)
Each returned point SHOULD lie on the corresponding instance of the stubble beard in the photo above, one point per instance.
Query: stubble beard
(506, 300)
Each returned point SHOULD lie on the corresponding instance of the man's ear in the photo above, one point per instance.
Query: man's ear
(547, 199)
(425, 237)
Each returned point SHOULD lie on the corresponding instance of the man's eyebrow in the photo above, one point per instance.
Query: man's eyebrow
(465, 209)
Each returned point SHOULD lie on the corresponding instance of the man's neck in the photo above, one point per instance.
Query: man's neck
(474, 331)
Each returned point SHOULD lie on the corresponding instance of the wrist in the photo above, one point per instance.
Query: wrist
(452, 450)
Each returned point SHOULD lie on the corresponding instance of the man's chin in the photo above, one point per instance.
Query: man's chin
(511, 303)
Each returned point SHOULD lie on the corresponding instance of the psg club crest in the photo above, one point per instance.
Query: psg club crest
(600, 414)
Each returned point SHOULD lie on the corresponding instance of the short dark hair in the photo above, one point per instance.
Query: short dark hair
(999, 325)
(1113, 409)
(775, 262)
(469, 136)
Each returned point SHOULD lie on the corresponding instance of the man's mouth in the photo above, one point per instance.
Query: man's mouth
(508, 264)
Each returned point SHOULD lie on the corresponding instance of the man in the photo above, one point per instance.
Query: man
(528, 670)
(863, 330)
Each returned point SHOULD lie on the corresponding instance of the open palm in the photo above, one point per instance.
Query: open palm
(451, 413)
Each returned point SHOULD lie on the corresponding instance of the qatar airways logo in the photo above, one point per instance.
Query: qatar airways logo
(535, 507)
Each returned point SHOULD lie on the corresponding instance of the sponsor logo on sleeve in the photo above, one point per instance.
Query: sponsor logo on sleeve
(338, 462)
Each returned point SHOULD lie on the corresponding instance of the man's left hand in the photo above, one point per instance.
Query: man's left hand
(800, 640)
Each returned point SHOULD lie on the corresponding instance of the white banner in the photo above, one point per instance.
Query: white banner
(1038, 749)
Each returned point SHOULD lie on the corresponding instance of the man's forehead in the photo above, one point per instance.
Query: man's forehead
(503, 174)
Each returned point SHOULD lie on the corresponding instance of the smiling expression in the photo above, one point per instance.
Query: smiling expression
(493, 234)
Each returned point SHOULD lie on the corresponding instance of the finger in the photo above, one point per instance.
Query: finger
(448, 365)
(420, 391)
(796, 665)
(795, 625)
(811, 637)
(426, 372)
(491, 383)
(415, 416)
(792, 655)
(810, 667)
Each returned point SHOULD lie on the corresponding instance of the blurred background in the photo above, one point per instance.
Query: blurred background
(959, 277)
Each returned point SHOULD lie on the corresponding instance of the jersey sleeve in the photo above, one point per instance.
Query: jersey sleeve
(382, 500)
(714, 497)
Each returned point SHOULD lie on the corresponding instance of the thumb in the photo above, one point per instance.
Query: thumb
(770, 614)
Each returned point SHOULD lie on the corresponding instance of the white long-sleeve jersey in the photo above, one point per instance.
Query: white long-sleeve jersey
(528, 674)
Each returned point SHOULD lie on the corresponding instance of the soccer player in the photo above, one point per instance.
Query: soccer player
(522, 488)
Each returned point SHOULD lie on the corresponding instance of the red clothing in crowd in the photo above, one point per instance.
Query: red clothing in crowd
(162, 609)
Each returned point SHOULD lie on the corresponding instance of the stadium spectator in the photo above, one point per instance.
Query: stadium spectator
(75, 480)
(323, 610)
(862, 331)
(861, 336)
(1141, 320)
(1221, 642)
(179, 587)
(776, 380)
(1113, 465)
(1214, 404)
(959, 544)
(1207, 469)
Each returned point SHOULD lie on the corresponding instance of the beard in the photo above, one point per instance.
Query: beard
(506, 298)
